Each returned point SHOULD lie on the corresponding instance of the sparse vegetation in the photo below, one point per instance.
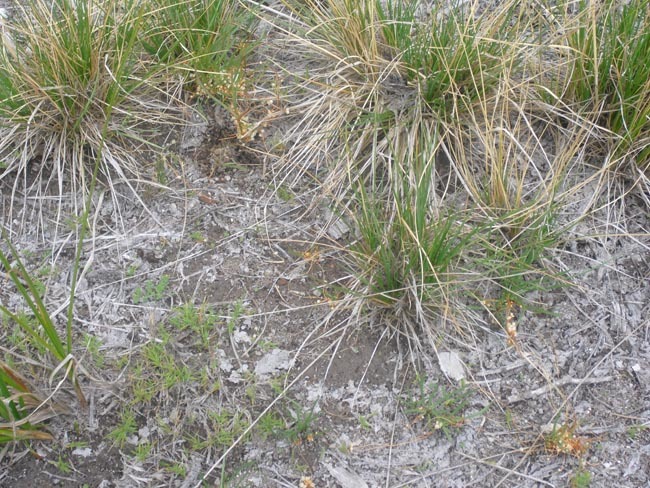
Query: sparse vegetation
(467, 153)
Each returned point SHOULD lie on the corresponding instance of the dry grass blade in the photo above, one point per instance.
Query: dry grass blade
(20, 408)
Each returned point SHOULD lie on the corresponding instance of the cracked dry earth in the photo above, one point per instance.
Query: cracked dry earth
(220, 238)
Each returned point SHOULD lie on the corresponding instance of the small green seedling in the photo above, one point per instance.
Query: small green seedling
(201, 320)
(270, 424)
(581, 479)
(62, 465)
(142, 452)
(179, 469)
(301, 427)
(93, 345)
(152, 291)
(237, 311)
(440, 408)
(125, 429)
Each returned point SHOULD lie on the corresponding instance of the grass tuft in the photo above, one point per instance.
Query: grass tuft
(73, 87)
(205, 42)
(608, 74)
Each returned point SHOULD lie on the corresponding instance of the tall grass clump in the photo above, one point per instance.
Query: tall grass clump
(73, 88)
(388, 97)
(389, 78)
(204, 42)
(608, 72)
(412, 256)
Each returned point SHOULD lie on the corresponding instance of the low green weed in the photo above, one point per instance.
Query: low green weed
(152, 291)
(301, 425)
(581, 479)
(201, 320)
(93, 348)
(179, 469)
(222, 429)
(238, 309)
(125, 429)
(142, 451)
(157, 370)
(162, 365)
(64, 467)
(634, 431)
(438, 407)
(269, 425)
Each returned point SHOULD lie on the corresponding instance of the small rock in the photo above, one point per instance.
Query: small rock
(82, 451)
(451, 365)
(271, 363)
(241, 337)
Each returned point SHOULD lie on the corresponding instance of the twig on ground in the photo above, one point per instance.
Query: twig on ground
(561, 382)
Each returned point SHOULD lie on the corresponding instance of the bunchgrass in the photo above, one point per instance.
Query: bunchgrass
(391, 79)
(72, 81)
(409, 252)
(205, 42)
(411, 117)
(608, 74)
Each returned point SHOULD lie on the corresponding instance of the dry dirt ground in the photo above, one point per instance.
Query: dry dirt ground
(261, 273)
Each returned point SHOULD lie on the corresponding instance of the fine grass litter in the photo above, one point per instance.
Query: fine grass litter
(435, 277)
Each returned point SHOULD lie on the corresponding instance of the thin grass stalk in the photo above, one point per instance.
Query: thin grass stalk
(31, 295)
